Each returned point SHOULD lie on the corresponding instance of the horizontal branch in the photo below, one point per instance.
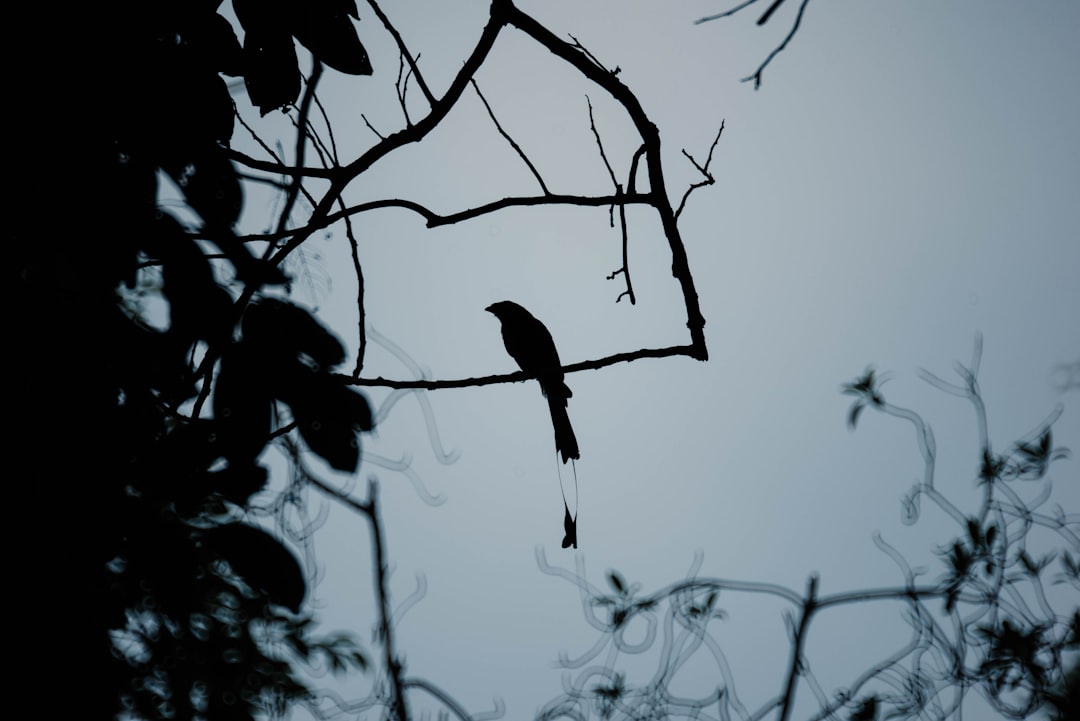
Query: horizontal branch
(881, 594)
(435, 220)
(431, 385)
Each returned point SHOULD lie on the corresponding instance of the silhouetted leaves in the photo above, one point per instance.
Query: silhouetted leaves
(1013, 659)
(1036, 457)
(209, 182)
(866, 711)
(242, 405)
(271, 68)
(237, 483)
(853, 414)
(617, 582)
(1071, 566)
(865, 389)
(286, 331)
(610, 695)
(340, 652)
(295, 354)
(214, 39)
(260, 561)
(991, 468)
(324, 28)
(697, 610)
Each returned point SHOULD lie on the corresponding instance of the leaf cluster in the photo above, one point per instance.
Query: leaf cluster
(186, 608)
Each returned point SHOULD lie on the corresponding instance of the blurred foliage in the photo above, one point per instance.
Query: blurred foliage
(989, 624)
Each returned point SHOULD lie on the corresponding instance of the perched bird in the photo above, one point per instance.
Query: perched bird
(529, 343)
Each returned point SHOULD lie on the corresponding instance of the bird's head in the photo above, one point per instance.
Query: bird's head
(505, 309)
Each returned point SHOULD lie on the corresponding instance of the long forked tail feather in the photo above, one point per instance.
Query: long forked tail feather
(565, 440)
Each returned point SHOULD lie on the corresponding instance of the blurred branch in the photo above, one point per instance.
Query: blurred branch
(998, 632)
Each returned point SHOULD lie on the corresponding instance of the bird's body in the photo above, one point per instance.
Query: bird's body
(529, 343)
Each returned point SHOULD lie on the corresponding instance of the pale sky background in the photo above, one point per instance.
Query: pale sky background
(907, 177)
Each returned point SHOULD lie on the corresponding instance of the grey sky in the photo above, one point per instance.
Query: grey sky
(908, 176)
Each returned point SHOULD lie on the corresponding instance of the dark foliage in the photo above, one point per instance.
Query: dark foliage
(177, 607)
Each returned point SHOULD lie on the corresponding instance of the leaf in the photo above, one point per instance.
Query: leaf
(238, 482)
(187, 104)
(258, 16)
(617, 582)
(213, 36)
(337, 444)
(288, 331)
(261, 561)
(331, 37)
(271, 71)
(974, 530)
(241, 406)
(1072, 568)
(853, 414)
(867, 710)
(991, 467)
(209, 182)
(328, 415)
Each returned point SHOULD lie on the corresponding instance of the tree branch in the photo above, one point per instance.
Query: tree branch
(520, 376)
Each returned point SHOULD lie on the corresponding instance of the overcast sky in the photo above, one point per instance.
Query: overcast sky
(907, 177)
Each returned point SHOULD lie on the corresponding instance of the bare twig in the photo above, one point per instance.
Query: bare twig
(703, 169)
(756, 77)
(600, 143)
(625, 269)
(301, 144)
(403, 50)
(513, 144)
(726, 13)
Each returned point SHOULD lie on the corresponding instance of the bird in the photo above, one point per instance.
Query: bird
(529, 343)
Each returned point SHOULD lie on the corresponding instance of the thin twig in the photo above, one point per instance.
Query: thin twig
(625, 269)
(726, 13)
(756, 77)
(513, 144)
(704, 170)
(301, 143)
(403, 50)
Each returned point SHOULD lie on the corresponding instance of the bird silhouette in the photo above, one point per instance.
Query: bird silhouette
(529, 343)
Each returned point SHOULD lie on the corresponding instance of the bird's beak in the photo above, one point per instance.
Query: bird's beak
(489, 308)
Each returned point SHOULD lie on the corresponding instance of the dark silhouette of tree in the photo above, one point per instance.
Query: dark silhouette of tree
(148, 435)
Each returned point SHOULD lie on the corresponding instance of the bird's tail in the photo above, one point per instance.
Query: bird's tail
(565, 440)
